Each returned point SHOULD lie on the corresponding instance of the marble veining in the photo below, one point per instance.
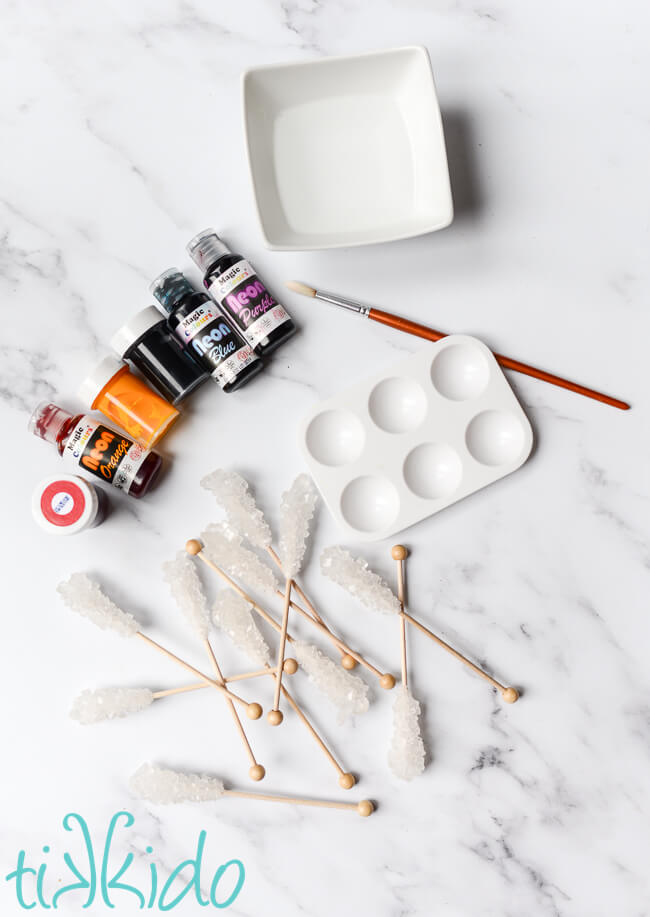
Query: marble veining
(122, 137)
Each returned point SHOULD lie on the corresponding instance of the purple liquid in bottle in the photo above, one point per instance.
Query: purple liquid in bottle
(232, 282)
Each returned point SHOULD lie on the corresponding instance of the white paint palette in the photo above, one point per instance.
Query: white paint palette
(406, 443)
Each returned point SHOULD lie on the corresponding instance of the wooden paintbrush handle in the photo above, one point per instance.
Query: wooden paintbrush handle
(508, 363)
(403, 324)
(430, 334)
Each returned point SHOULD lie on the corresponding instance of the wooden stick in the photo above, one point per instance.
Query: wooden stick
(385, 680)
(364, 808)
(275, 715)
(182, 690)
(399, 553)
(197, 686)
(194, 547)
(509, 695)
(346, 780)
(254, 711)
(430, 334)
(347, 661)
(244, 675)
(256, 771)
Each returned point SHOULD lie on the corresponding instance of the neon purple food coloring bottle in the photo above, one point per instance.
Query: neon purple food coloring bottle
(232, 282)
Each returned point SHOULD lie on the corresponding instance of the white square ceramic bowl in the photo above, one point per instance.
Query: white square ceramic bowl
(347, 151)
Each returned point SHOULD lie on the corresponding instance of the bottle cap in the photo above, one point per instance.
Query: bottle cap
(64, 504)
(47, 421)
(100, 376)
(205, 248)
(170, 288)
(137, 326)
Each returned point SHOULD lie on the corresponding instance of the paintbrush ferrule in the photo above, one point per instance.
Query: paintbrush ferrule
(348, 304)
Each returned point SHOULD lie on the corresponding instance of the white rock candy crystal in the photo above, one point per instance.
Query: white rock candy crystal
(356, 577)
(296, 511)
(163, 786)
(109, 703)
(183, 579)
(406, 753)
(224, 547)
(83, 595)
(347, 692)
(233, 615)
(231, 493)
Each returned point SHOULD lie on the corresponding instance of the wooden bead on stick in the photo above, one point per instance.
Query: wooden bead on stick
(275, 717)
(365, 808)
(348, 662)
(193, 546)
(256, 771)
(290, 666)
(387, 681)
(346, 781)
(509, 695)
(253, 711)
(163, 786)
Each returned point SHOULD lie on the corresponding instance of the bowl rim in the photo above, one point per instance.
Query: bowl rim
(427, 226)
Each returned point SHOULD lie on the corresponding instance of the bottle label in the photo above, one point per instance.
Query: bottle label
(108, 455)
(215, 343)
(242, 294)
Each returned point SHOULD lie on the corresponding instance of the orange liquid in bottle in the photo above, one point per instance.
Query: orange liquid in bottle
(135, 407)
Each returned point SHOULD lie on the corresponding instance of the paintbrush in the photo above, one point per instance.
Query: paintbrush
(430, 334)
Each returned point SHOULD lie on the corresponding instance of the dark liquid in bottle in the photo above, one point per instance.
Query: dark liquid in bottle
(56, 426)
(221, 339)
(250, 296)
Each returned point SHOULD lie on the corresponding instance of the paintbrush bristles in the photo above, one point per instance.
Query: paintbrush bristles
(299, 287)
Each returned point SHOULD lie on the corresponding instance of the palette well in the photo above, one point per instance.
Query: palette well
(404, 444)
(347, 150)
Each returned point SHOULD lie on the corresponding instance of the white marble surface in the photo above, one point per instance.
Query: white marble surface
(121, 137)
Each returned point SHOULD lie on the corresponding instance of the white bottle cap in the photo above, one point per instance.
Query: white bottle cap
(65, 504)
(133, 330)
(98, 378)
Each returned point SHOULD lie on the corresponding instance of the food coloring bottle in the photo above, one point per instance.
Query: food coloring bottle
(234, 285)
(148, 343)
(84, 442)
(65, 504)
(112, 389)
(205, 331)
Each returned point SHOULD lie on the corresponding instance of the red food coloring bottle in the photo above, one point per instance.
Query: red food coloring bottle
(87, 444)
